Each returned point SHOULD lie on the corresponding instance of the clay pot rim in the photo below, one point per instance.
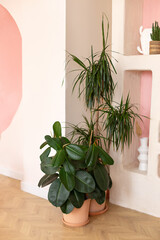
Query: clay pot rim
(75, 224)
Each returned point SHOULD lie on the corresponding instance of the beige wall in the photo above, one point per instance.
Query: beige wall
(83, 29)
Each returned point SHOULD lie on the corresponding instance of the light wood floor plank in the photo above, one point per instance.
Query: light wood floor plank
(27, 217)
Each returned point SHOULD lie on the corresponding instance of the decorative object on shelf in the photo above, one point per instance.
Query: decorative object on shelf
(145, 38)
(143, 154)
(155, 36)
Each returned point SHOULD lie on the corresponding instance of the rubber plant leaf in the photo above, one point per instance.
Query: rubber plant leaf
(67, 179)
(105, 157)
(57, 129)
(47, 179)
(57, 194)
(43, 145)
(98, 195)
(75, 152)
(45, 154)
(59, 158)
(101, 177)
(67, 207)
(92, 156)
(68, 167)
(77, 198)
(54, 142)
(47, 167)
(64, 141)
(84, 182)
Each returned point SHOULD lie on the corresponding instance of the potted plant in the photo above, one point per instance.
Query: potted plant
(94, 157)
(77, 171)
(155, 36)
(94, 80)
(75, 175)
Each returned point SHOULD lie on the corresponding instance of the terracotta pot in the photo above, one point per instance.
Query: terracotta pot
(154, 47)
(97, 209)
(79, 216)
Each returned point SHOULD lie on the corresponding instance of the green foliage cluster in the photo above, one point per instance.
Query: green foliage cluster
(119, 122)
(95, 74)
(78, 167)
(155, 35)
(73, 171)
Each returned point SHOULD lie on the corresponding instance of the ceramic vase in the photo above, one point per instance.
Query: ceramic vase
(143, 154)
(145, 38)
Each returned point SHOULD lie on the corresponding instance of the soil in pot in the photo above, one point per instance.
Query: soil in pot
(79, 216)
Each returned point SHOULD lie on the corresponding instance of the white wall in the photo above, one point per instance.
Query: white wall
(42, 26)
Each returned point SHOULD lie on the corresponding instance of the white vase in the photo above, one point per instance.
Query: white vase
(143, 154)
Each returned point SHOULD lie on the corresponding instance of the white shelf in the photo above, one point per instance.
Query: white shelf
(141, 62)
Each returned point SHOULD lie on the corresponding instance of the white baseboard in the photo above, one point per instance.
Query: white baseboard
(11, 173)
(125, 205)
(35, 190)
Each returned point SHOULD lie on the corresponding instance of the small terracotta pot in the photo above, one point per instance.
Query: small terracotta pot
(79, 216)
(154, 47)
(97, 209)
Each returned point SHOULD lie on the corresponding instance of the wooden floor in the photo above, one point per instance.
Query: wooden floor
(26, 217)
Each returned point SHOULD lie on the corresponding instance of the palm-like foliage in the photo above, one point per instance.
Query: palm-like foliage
(86, 135)
(119, 122)
(95, 77)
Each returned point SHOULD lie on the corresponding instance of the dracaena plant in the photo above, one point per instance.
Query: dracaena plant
(73, 171)
(118, 122)
(95, 80)
(94, 77)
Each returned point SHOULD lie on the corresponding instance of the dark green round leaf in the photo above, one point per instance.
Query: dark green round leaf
(43, 145)
(69, 168)
(67, 207)
(57, 194)
(54, 142)
(92, 156)
(47, 167)
(45, 154)
(47, 179)
(57, 129)
(105, 157)
(75, 152)
(67, 179)
(64, 140)
(84, 182)
(101, 177)
(77, 198)
(59, 158)
(98, 195)
(78, 164)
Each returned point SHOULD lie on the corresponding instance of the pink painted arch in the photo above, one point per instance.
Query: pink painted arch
(10, 68)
